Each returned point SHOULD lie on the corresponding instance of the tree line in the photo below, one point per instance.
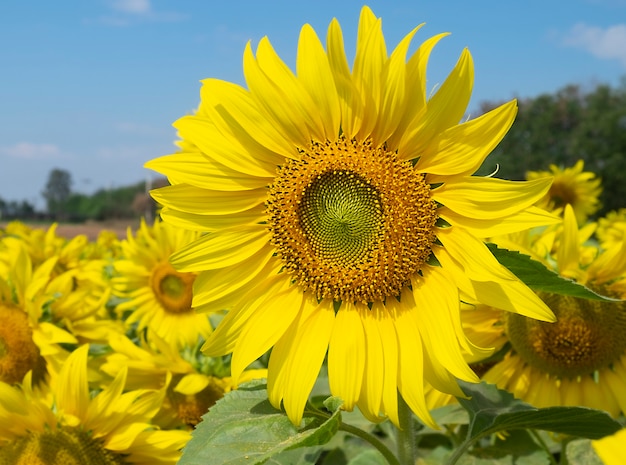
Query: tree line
(64, 204)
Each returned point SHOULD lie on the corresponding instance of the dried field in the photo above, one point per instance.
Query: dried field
(91, 228)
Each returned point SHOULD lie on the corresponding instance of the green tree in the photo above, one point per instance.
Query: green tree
(57, 192)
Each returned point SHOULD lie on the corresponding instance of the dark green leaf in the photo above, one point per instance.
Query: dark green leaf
(539, 278)
(244, 428)
(492, 410)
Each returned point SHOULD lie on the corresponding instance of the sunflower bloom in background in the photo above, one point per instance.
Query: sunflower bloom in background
(580, 360)
(612, 228)
(70, 426)
(571, 186)
(158, 296)
(193, 382)
(343, 219)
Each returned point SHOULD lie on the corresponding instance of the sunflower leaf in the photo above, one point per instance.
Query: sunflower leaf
(539, 278)
(492, 410)
(244, 428)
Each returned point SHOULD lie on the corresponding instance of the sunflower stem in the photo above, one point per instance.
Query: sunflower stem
(407, 448)
(389, 457)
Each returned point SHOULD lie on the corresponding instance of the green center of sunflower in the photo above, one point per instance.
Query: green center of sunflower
(174, 290)
(18, 351)
(351, 221)
(587, 336)
(58, 447)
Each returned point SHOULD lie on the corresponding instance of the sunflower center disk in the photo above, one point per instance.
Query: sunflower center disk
(351, 221)
(341, 216)
(18, 352)
(587, 336)
(172, 289)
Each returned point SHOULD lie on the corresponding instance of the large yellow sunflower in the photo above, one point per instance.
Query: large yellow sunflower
(581, 358)
(158, 296)
(343, 219)
(573, 186)
(69, 426)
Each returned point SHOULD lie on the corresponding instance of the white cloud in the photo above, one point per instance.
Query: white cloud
(607, 44)
(132, 6)
(30, 151)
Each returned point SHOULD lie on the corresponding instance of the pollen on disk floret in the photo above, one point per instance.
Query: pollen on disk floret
(351, 221)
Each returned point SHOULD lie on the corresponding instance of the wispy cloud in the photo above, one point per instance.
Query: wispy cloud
(140, 7)
(129, 12)
(604, 43)
(30, 151)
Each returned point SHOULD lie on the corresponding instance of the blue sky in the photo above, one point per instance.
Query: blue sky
(93, 86)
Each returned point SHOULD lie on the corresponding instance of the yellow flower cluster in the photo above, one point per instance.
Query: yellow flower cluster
(99, 359)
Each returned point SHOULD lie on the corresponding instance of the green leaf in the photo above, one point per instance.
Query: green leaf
(244, 428)
(492, 410)
(539, 278)
(581, 451)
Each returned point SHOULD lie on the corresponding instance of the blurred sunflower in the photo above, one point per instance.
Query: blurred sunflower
(581, 358)
(158, 297)
(193, 381)
(69, 426)
(573, 186)
(612, 228)
(344, 218)
(27, 342)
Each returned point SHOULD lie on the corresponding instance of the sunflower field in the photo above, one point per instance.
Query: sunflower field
(329, 282)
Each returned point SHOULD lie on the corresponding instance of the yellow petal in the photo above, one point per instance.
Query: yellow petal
(72, 390)
(444, 109)
(200, 201)
(393, 96)
(228, 331)
(490, 198)
(461, 149)
(201, 171)
(486, 228)
(317, 78)
(224, 149)
(273, 100)
(437, 303)
(264, 327)
(350, 100)
(306, 358)
(372, 389)
(346, 355)
(221, 249)
(212, 223)
(234, 111)
(567, 255)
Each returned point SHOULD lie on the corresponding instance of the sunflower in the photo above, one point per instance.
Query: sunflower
(612, 227)
(573, 186)
(193, 382)
(158, 297)
(69, 426)
(580, 359)
(343, 219)
(27, 342)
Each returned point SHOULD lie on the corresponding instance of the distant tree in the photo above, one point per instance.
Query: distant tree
(57, 192)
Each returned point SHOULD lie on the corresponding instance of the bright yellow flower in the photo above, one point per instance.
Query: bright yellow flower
(70, 426)
(612, 228)
(159, 297)
(27, 342)
(343, 217)
(573, 186)
(581, 358)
